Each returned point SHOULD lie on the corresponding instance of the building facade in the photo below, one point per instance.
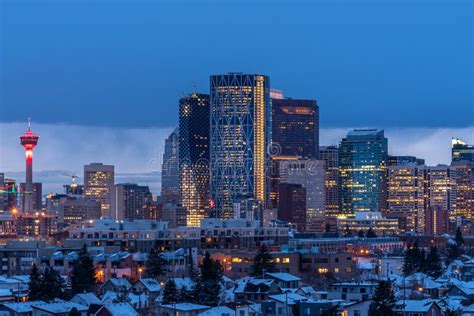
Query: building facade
(240, 135)
(99, 185)
(295, 127)
(292, 205)
(407, 196)
(330, 156)
(461, 151)
(131, 201)
(362, 171)
(194, 140)
(170, 169)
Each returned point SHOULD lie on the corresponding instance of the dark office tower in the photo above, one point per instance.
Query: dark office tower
(404, 160)
(194, 155)
(362, 171)
(131, 200)
(330, 156)
(240, 134)
(170, 170)
(461, 151)
(292, 205)
(295, 127)
(34, 196)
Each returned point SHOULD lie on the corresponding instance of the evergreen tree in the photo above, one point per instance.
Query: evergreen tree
(53, 285)
(384, 299)
(327, 228)
(170, 293)
(414, 260)
(35, 285)
(74, 312)
(458, 237)
(263, 262)
(454, 252)
(208, 286)
(371, 233)
(155, 264)
(83, 273)
(360, 234)
(433, 266)
(347, 231)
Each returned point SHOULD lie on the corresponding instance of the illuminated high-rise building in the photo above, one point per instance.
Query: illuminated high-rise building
(407, 196)
(362, 171)
(240, 135)
(461, 151)
(462, 188)
(276, 164)
(295, 127)
(403, 160)
(330, 156)
(9, 195)
(29, 140)
(34, 194)
(194, 141)
(131, 200)
(170, 169)
(99, 185)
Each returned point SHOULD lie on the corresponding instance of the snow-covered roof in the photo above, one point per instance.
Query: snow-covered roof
(185, 283)
(218, 311)
(151, 284)
(290, 298)
(60, 307)
(283, 276)
(120, 309)
(415, 306)
(308, 290)
(25, 307)
(109, 297)
(86, 298)
(120, 282)
(186, 307)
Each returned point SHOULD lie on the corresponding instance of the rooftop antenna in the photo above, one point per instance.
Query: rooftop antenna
(29, 123)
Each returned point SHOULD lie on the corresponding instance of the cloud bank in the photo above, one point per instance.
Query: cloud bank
(137, 152)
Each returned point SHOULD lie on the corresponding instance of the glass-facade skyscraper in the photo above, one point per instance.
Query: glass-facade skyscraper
(240, 134)
(194, 155)
(170, 169)
(362, 171)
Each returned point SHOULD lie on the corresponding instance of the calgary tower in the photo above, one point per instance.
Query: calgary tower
(29, 142)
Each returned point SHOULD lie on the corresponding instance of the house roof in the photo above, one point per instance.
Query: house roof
(218, 311)
(25, 307)
(186, 307)
(59, 307)
(120, 282)
(415, 306)
(150, 284)
(88, 298)
(283, 276)
(120, 309)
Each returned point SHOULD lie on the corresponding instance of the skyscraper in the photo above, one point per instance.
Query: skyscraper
(407, 196)
(461, 151)
(295, 127)
(99, 186)
(439, 188)
(29, 142)
(362, 171)
(330, 156)
(131, 200)
(194, 155)
(310, 174)
(292, 205)
(462, 188)
(240, 134)
(170, 169)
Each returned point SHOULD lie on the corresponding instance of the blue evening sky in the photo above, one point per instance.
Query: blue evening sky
(125, 63)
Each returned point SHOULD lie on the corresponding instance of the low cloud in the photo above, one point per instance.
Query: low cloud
(137, 152)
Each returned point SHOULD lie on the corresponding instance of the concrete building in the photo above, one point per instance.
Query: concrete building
(130, 201)
(363, 221)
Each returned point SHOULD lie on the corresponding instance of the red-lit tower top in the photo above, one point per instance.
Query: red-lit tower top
(29, 140)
